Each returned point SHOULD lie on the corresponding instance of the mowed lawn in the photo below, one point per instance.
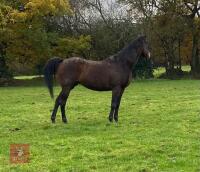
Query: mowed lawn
(158, 129)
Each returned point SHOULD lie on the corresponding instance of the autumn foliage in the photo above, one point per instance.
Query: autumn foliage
(25, 40)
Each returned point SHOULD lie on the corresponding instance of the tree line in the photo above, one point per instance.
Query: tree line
(32, 31)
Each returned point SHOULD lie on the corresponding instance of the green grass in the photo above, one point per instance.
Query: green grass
(158, 129)
(161, 70)
(24, 77)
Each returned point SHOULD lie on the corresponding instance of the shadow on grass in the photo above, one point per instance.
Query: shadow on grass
(73, 129)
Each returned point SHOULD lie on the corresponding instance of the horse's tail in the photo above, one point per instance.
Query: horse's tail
(50, 70)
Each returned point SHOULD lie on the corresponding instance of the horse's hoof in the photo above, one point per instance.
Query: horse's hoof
(64, 121)
(116, 119)
(53, 121)
(110, 119)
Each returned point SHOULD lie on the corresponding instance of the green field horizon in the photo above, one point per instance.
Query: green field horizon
(158, 129)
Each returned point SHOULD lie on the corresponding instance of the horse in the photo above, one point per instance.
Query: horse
(111, 74)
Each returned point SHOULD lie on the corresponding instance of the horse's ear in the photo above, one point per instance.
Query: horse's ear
(139, 35)
(144, 36)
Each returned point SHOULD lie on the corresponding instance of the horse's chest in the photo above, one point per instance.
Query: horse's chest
(127, 79)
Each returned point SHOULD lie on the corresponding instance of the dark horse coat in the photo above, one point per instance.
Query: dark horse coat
(113, 73)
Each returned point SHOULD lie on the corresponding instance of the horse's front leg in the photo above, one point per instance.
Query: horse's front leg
(116, 97)
(118, 104)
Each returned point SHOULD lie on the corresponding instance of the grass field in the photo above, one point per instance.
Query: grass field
(158, 129)
(161, 70)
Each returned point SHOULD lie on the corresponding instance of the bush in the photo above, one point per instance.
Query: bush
(143, 69)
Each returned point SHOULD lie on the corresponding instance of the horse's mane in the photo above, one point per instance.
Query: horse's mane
(123, 54)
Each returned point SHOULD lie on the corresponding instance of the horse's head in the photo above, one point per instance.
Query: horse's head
(144, 47)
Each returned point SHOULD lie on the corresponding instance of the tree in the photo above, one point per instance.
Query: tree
(192, 17)
(29, 41)
(4, 11)
(26, 35)
(108, 23)
(170, 22)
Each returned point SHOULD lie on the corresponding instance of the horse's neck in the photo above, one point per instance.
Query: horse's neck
(128, 56)
(129, 59)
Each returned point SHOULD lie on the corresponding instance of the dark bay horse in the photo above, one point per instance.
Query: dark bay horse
(112, 74)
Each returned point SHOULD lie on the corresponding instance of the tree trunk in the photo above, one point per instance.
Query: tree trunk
(179, 56)
(170, 62)
(195, 63)
(170, 67)
(4, 72)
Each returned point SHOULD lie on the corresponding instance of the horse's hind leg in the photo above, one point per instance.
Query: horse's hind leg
(61, 101)
(55, 109)
(64, 96)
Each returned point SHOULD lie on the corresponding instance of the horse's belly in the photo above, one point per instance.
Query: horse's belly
(99, 81)
(96, 84)
(97, 88)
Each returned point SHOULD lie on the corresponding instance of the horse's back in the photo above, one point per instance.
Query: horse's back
(69, 70)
